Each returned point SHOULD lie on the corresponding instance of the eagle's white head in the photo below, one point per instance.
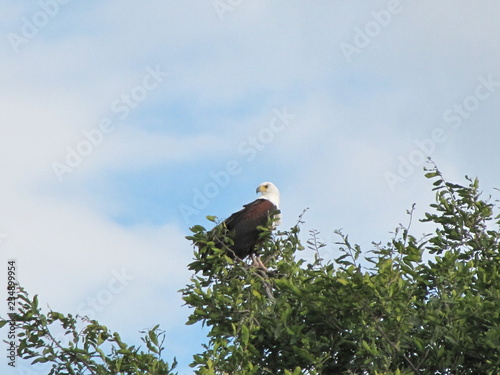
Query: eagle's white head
(270, 192)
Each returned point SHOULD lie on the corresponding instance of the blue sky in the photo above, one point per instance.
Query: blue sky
(124, 123)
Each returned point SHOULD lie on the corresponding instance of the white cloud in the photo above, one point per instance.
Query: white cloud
(79, 262)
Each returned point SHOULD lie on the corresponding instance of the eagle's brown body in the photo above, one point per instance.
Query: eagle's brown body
(243, 226)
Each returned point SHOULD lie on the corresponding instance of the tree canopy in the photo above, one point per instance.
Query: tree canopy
(415, 305)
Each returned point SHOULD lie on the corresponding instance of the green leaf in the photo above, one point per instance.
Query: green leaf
(197, 229)
(366, 346)
(34, 304)
(431, 174)
(245, 335)
(153, 337)
(256, 293)
(40, 360)
(343, 281)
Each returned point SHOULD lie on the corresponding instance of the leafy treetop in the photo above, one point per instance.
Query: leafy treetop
(428, 305)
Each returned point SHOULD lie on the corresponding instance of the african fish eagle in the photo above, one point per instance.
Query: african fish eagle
(243, 225)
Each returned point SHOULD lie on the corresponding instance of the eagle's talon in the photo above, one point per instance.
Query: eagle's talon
(258, 263)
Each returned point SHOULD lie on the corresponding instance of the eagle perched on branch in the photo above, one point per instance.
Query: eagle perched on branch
(243, 226)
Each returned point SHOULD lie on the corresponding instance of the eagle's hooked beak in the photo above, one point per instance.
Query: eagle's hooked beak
(262, 188)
